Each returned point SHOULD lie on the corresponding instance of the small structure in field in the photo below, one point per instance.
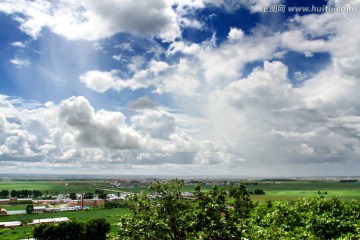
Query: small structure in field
(49, 220)
(12, 224)
(39, 209)
(3, 211)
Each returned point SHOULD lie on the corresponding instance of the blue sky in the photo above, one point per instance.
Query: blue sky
(195, 87)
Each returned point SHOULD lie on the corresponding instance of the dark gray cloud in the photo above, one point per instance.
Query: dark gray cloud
(143, 103)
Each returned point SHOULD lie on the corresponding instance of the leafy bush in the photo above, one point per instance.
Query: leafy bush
(115, 204)
(93, 229)
(170, 217)
(209, 217)
(259, 192)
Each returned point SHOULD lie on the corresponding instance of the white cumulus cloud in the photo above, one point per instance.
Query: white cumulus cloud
(93, 20)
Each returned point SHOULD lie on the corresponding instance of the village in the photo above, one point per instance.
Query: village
(65, 202)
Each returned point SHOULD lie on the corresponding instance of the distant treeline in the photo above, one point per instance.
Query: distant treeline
(20, 193)
(51, 179)
(278, 180)
(349, 180)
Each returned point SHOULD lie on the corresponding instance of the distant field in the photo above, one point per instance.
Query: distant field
(55, 187)
(294, 189)
(273, 189)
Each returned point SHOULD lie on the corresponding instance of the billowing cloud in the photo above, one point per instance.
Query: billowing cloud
(93, 20)
(270, 122)
(156, 123)
(72, 134)
(101, 81)
(296, 41)
(99, 129)
(226, 62)
(235, 34)
(179, 78)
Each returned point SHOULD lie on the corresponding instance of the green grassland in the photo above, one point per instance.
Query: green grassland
(55, 187)
(289, 190)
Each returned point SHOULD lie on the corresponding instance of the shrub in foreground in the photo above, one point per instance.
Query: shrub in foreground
(94, 229)
(209, 217)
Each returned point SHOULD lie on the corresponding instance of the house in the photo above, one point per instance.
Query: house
(87, 202)
(49, 201)
(52, 209)
(39, 209)
(3, 211)
(4, 201)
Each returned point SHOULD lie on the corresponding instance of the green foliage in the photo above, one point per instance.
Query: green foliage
(162, 216)
(97, 229)
(24, 193)
(89, 195)
(14, 193)
(4, 194)
(101, 193)
(36, 194)
(169, 216)
(308, 218)
(211, 218)
(115, 204)
(72, 196)
(93, 229)
(29, 209)
(259, 191)
(208, 217)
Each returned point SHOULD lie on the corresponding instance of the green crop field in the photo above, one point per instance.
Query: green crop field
(294, 189)
(54, 187)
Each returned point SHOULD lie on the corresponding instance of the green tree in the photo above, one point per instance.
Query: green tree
(97, 229)
(259, 192)
(73, 196)
(89, 196)
(4, 194)
(164, 215)
(210, 217)
(14, 193)
(94, 229)
(307, 218)
(101, 193)
(172, 217)
(243, 203)
(36, 194)
(29, 209)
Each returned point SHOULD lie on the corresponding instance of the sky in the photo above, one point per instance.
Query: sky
(248, 88)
